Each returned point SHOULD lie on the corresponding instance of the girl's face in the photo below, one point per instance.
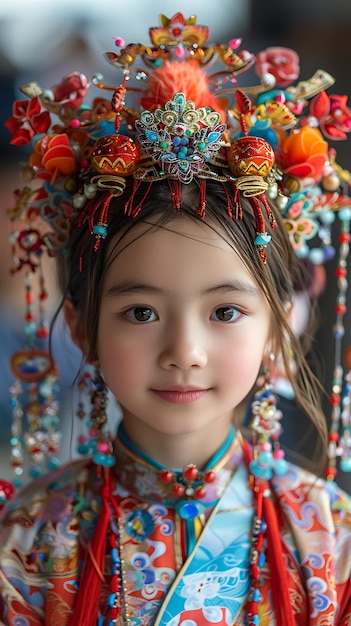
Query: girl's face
(183, 328)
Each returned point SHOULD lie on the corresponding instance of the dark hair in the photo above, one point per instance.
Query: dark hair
(81, 272)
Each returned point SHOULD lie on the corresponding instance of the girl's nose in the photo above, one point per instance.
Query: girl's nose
(184, 347)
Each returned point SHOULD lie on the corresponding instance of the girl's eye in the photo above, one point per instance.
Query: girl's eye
(141, 314)
(226, 314)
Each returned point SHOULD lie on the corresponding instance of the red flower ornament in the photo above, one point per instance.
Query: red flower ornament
(70, 91)
(282, 63)
(333, 115)
(29, 118)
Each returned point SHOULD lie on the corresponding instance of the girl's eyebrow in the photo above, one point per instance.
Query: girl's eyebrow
(233, 286)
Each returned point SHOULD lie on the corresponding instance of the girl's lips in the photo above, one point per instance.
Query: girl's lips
(176, 396)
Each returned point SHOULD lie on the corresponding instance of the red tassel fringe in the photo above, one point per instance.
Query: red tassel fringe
(279, 578)
(87, 602)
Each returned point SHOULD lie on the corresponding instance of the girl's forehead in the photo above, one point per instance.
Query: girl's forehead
(151, 233)
(182, 248)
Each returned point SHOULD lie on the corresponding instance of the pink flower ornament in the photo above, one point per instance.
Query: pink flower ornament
(70, 91)
(282, 63)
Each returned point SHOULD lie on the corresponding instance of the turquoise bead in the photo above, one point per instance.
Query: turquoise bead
(83, 448)
(280, 467)
(345, 214)
(100, 229)
(265, 458)
(345, 464)
(110, 460)
(105, 460)
(262, 239)
(54, 463)
(99, 458)
(34, 472)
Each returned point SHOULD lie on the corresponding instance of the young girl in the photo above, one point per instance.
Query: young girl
(178, 290)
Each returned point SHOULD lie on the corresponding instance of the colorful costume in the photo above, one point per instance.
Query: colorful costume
(176, 570)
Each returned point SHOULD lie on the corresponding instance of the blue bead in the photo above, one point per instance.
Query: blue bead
(303, 251)
(254, 468)
(34, 472)
(329, 253)
(265, 458)
(100, 229)
(263, 528)
(176, 141)
(262, 239)
(255, 620)
(30, 328)
(114, 555)
(111, 599)
(316, 256)
(280, 467)
(213, 137)
(83, 448)
(54, 463)
(184, 141)
(266, 473)
(345, 214)
(327, 217)
(182, 153)
(151, 135)
(261, 560)
(99, 458)
(256, 595)
(189, 510)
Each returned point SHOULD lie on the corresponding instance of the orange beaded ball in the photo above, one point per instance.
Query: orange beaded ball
(115, 155)
(250, 156)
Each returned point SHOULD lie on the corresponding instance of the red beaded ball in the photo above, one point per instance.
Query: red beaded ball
(115, 154)
(250, 156)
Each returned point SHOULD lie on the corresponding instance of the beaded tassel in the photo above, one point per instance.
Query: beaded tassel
(268, 457)
(35, 380)
(342, 448)
(97, 441)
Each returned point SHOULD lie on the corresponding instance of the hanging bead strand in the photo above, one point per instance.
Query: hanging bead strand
(338, 332)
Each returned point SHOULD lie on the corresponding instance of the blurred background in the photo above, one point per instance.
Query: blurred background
(43, 41)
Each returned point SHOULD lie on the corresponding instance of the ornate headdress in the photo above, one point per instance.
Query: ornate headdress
(171, 119)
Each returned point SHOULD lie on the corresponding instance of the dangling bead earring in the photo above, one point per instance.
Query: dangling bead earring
(98, 440)
(83, 443)
(267, 457)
